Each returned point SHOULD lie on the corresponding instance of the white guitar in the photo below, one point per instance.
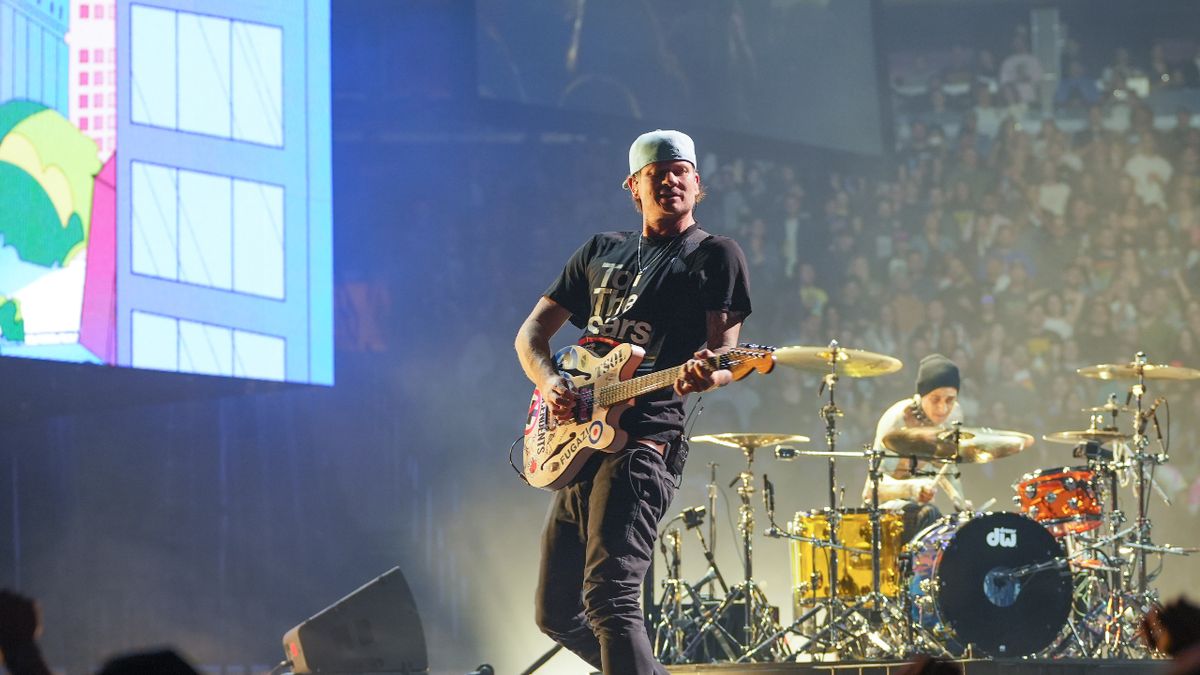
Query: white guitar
(605, 388)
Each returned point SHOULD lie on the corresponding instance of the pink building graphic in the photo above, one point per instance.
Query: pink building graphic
(92, 42)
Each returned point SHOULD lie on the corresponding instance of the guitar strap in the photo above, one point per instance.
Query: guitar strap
(677, 450)
(692, 241)
(687, 246)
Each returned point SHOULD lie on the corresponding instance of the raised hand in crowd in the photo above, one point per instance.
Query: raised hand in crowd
(1172, 628)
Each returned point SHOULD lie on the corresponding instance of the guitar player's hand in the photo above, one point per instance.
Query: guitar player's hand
(695, 376)
(559, 396)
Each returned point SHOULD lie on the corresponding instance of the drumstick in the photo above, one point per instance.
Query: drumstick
(951, 492)
(939, 475)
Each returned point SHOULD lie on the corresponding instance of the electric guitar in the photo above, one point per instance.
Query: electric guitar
(605, 387)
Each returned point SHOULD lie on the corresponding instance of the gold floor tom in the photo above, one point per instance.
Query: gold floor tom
(810, 562)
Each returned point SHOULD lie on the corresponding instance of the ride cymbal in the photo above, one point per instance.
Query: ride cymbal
(1132, 371)
(849, 362)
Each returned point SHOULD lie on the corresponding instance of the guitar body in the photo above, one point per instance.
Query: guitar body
(605, 387)
(555, 452)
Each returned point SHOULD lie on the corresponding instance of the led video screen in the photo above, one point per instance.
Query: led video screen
(165, 186)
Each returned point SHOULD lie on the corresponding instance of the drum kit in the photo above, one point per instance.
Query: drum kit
(1066, 575)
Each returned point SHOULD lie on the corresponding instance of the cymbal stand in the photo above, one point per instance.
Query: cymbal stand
(671, 639)
(837, 615)
(881, 605)
(775, 532)
(758, 619)
(712, 522)
(1131, 597)
(672, 622)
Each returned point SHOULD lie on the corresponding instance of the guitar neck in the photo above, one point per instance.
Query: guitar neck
(644, 384)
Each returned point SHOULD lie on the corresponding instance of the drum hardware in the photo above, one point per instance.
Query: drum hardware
(677, 624)
(843, 621)
(1112, 572)
(853, 363)
(758, 614)
(712, 522)
(862, 613)
(1102, 581)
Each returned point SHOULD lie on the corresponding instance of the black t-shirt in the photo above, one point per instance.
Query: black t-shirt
(664, 312)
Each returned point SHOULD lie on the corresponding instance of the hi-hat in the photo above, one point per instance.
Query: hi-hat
(1077, 437)
(1109, 407)
(849, 362)
(975, 445)
(1132, 371)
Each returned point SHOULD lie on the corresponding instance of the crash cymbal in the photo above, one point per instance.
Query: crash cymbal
(976, 445)
(749, 440)
(1077, 437)
(849, 362)
(1109, 407)
(1130, 371)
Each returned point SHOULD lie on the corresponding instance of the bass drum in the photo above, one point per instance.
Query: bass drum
(964, 596)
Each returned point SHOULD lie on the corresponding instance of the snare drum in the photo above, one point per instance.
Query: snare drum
(961, 592)
(1065, 500)
(810, 562)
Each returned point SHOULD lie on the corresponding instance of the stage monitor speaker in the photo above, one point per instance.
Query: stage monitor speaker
(375, 629)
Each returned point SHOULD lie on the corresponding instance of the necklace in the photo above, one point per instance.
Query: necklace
(654, 258)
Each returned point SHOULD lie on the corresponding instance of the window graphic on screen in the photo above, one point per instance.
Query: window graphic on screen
(165, 186)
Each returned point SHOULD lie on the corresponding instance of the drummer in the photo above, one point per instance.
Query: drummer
(909, 484)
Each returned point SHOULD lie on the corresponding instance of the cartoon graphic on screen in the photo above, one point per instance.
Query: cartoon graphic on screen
(47, 174)
(164, 198)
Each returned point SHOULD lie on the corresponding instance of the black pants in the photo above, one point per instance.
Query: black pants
(597, 546)
(917, 517)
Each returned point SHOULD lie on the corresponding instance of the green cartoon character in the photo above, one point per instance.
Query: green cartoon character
(47, 172)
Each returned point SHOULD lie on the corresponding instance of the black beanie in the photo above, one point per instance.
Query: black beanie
(936, 371)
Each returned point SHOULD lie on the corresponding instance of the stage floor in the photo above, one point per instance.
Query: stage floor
(969, 667)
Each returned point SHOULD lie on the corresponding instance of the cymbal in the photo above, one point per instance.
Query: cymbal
(976, 445)
(749, 440)
(850, 362)
(1077, 437)
(1130, 371)
(1109, 407)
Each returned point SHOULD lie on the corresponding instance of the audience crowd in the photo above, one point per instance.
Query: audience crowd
(1021, 255)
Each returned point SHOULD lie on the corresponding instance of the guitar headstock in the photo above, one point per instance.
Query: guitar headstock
(747, 358)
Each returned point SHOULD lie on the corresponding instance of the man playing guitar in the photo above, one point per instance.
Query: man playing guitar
(680, 294)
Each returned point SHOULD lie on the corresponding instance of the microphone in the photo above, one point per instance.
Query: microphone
(1151, 412)
(694, 516)
(768, 494)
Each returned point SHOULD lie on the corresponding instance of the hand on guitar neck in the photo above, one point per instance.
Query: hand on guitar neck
(696, 375)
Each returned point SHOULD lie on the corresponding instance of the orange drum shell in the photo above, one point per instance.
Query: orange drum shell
(1062, 499)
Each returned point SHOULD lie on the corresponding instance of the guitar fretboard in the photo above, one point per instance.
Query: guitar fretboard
(644, 384)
